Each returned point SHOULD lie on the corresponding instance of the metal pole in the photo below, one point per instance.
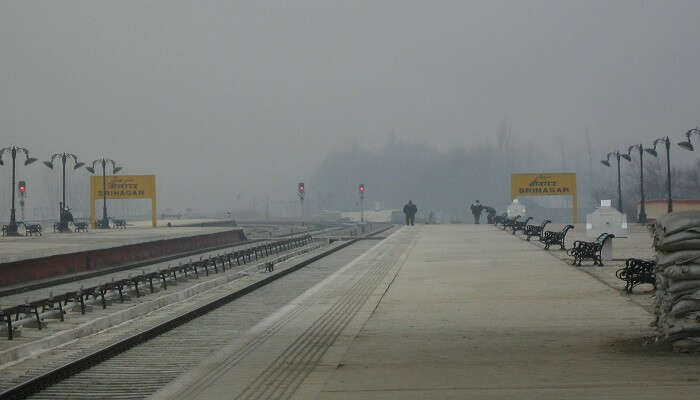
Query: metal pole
(619, 184)
(362, 209)
(642, 209)
(105, 222)
(63, 160)
(12, 228)
(668, 174)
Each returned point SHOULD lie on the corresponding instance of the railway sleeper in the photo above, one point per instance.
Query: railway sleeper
(33, 313)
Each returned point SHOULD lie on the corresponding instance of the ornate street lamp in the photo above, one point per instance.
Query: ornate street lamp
(687, 144)
(653, 152)
(64, 218)
(642, 209)
(104, 222)
(606, 162)
(12, 226)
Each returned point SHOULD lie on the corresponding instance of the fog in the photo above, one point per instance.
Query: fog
(231, 103)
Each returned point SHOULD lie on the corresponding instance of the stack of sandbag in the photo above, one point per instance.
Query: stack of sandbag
(677, 244)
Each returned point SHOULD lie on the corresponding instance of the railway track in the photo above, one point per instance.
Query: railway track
(148, 264)
(134, 366)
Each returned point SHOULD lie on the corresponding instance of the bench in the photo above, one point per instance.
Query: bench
(520, 225)
(555, 238)
(81, 226)
(582, 250)
(119, 223)
(509, 222)
(32, 229)
(4, 230)
(500, 219)
(636, 272)
(535, 230)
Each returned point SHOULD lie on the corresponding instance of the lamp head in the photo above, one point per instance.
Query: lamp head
(605, 162)
(29, 160)
(116, 169)
(626, 157)
(90, 169)
(687, 145)
(652, 152)
(48, 164)
(78, 165)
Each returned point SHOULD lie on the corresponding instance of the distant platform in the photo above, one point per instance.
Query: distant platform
(29, 258)
(24, 247)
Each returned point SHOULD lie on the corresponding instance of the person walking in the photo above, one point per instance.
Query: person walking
(410, 210)
(476, 208)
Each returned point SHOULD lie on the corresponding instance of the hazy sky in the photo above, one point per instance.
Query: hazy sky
(217, 98)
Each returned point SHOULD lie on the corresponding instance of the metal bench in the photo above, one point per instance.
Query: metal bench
(500, 219)
(555, 238)
(582, 250)
(635, 272)
(81, 226)
(509, 222)
(32, 229)
(119, 223)
(536, 230)
(520, 225)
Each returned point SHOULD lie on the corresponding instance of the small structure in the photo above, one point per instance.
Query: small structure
(516, 208)
(606, 219)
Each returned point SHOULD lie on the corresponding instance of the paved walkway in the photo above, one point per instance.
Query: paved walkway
(450, 312)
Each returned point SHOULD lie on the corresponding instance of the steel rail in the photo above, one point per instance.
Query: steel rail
(56, 375)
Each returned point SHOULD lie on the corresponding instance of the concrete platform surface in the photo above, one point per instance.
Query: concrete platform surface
(450, 312)
(50, 244)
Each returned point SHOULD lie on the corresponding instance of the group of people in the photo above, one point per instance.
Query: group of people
(410, 210)
(477, 208)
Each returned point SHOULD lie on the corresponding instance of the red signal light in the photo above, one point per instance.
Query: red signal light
(362, 188)
(301, 187)
(22, 186)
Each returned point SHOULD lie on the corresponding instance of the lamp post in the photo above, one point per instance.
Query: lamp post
(688, 145)
(652, 151)
(606, 162)
(104, 222)
(642, 209)
(12, 226)
(64, 210)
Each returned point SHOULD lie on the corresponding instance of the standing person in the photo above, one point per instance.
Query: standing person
(476, 208)
(410, 210)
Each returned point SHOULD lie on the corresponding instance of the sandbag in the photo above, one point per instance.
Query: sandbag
(682, 272)
(677, 221)
(690, 244)
(683, 257)
(684, 307)
(689, 234)
(682, 286)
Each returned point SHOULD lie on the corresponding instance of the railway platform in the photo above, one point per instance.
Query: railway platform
(449, 312)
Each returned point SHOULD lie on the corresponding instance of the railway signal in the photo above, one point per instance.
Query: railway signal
(22, 187)
(301, 192)
(361, 191)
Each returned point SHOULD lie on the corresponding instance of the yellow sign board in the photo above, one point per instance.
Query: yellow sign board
(545, 184)
(123, 187)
